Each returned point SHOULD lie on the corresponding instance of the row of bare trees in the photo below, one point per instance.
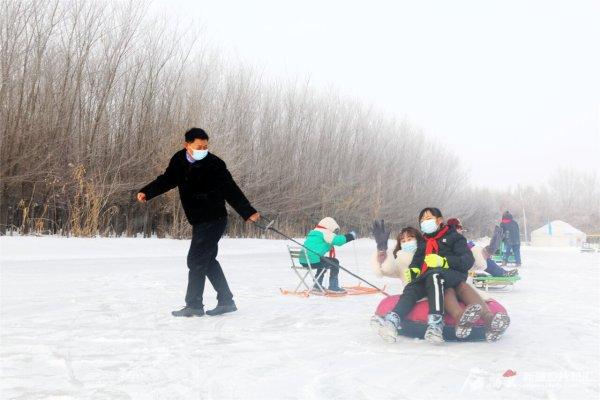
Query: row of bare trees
(569, 195)
(95, 98)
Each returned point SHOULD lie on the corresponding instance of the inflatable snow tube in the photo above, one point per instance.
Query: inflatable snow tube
(415, 323)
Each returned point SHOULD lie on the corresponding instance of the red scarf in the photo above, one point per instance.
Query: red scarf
(506, 220)
(332, 250)
(432, 246)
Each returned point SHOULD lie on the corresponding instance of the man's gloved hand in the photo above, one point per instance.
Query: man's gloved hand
(410, 274)
(436, 261)
(381, 235)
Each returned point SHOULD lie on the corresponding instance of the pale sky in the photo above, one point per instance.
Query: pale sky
(512, 87)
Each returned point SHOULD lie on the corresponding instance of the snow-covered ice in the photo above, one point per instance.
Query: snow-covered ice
(90, 319)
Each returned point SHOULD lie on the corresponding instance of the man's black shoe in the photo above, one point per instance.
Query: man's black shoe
(218, 310)
(188, 312)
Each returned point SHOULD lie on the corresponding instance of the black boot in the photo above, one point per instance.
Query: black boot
(188, 312)
(222, 309)
(334, 285)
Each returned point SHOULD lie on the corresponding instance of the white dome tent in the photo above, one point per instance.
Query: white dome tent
(557, 234)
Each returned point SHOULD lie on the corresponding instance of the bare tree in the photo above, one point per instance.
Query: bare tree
(95, 97)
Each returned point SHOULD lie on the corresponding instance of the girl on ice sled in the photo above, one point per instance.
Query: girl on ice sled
(320, 241)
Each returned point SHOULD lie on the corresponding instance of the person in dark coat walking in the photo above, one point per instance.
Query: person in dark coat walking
(204, 184)
(511, 238)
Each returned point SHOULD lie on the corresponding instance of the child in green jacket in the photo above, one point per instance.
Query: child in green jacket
(321, 241)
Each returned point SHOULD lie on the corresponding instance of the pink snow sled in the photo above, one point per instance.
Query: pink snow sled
(415, 323)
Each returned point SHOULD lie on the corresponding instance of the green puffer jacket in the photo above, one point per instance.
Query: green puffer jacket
(315, 241)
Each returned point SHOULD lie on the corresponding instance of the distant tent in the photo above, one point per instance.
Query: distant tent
(557, 234)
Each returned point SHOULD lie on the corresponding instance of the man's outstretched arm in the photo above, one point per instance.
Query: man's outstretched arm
(236, 198)
(163, 183)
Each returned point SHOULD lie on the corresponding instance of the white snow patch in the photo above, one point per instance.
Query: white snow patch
(90, 318)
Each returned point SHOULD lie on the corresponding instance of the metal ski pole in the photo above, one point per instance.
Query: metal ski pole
(269, 226)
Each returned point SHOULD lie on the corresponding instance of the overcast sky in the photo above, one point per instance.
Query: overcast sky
(512, 87)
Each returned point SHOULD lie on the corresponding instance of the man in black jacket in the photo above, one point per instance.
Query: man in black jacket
(204, 185)
(511, 237)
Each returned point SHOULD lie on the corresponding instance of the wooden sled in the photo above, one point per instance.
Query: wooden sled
(350, 291)
(360, 290)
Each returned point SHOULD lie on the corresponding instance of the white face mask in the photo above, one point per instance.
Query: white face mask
(409, 247)
(199, 154)
(429, 226)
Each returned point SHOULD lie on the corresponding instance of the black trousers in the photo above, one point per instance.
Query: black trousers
(332, 264)
(430, 285)
(202, 262)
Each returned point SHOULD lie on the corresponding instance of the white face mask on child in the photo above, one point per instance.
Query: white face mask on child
(429, 226)
(409, 247)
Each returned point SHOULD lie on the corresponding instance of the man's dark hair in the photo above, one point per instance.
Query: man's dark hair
(195, 133)
(434, 211)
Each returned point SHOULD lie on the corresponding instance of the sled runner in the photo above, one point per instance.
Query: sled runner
(350, 291)
(485, 281)
(359, 289)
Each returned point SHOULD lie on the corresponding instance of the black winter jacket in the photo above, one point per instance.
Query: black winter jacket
(452, 246)
(511, 232)
(204, 186)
